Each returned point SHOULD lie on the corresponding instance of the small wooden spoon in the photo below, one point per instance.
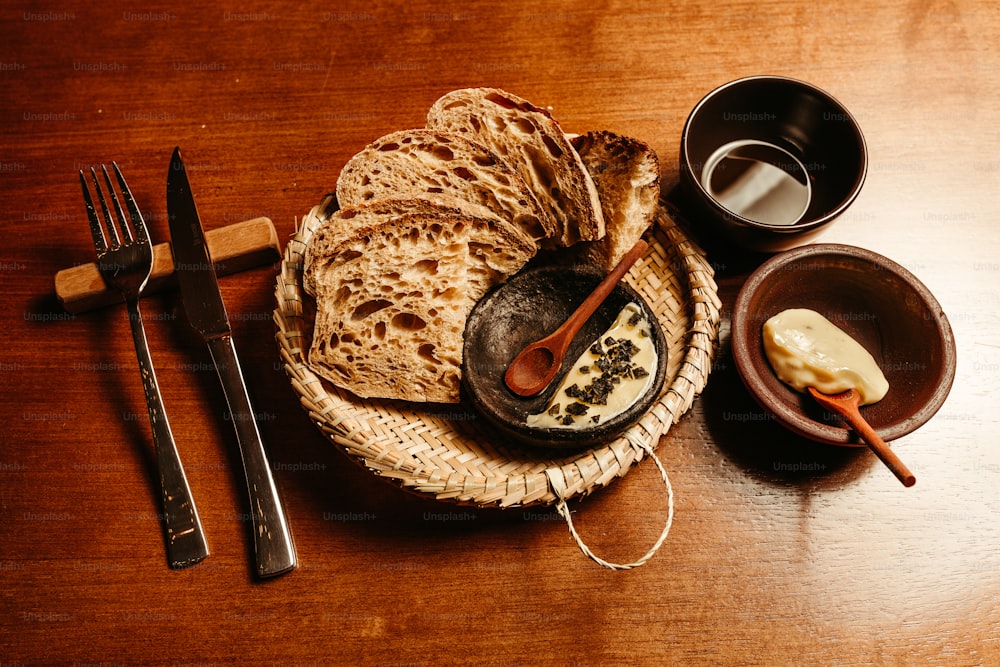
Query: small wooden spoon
(534, 367)
(846, 403)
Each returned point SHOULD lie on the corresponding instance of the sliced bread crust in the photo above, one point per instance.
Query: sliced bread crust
(434, 162)
(627, 174)
(393, 298)
(342, 222)
(531, 141)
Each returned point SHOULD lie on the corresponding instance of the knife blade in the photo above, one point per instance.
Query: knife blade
(206, 312)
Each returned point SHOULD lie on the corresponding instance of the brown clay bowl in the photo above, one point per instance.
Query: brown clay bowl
(879, 303)
(527, 307)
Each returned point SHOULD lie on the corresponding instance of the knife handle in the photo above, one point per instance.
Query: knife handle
(275, 552)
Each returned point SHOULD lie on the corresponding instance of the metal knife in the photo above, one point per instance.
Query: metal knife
(275, 552)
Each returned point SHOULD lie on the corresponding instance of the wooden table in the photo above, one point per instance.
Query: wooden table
(781, 552)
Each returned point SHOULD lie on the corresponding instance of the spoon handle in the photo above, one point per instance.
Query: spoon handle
(846, 404)
(879, 446)
(583, 312)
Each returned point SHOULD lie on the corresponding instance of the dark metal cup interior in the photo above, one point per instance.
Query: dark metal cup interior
(795, 116)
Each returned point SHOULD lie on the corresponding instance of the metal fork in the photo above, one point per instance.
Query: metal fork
(125, 263)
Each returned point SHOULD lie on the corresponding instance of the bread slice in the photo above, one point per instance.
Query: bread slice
(432, 162)
(341, 222)
(627, 174)
(530, 140)
(392, 299)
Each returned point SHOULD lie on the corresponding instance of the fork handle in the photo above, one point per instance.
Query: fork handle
(186, 543)
(273, 547)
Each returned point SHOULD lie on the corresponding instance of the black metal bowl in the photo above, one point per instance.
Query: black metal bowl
(794, 116)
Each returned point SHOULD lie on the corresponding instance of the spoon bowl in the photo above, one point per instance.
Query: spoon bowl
(532, 370)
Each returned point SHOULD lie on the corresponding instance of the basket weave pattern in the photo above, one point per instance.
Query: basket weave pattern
(450, 454)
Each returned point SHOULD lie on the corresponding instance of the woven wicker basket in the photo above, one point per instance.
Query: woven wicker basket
(448, 453)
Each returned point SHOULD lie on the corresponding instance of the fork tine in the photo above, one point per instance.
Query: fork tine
(138, 224)
(126, 231)
(108, 220)
(96, 231)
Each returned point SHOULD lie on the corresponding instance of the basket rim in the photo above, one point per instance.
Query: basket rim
(372, 432)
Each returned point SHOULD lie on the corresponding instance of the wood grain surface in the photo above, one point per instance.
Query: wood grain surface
(781, 551)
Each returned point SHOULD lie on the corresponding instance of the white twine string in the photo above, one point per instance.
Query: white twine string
(563, 508)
